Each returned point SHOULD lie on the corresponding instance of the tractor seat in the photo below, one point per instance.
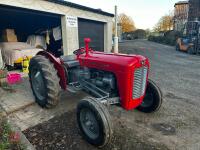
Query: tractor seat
(68, 58)
(70, 61)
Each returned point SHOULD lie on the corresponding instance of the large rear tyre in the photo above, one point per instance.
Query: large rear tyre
(94, 122)
(152, 100)
(44, 81)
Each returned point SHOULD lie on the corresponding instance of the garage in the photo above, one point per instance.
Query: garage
(93, 30)
(50, 21)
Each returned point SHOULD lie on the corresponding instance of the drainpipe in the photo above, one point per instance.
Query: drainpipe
(116, 36)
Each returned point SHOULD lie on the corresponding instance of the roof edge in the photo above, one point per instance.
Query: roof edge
(74, 5)
(181, 3)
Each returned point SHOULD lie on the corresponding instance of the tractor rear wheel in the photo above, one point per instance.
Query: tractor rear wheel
(44, 81)
(94, 122)
(152, 100)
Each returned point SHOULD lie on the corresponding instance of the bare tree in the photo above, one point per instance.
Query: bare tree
(165, 23)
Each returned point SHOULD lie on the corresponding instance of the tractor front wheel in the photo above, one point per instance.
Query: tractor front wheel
(94, 122)
(44, 81)
(152, 100)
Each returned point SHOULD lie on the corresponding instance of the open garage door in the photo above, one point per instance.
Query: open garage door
(27, 22)
(93, 30)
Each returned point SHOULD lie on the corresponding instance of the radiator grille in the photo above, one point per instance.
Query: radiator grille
(139, 83)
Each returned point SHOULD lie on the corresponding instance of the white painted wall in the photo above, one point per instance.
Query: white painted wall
(70, 34)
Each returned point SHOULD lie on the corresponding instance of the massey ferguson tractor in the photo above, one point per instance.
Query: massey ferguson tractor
(110, 79)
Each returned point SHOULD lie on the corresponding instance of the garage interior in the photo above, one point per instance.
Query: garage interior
(29, 22)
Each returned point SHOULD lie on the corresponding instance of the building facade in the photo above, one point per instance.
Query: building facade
(76, 21)
(181, 11)
(194, 10)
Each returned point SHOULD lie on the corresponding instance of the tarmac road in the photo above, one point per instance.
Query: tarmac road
(176, 125)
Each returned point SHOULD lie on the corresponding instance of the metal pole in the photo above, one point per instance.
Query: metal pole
(116, 28)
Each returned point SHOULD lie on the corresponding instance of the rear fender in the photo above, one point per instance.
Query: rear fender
(58, 66)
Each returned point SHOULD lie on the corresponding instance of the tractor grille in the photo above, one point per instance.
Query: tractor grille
(139, 83)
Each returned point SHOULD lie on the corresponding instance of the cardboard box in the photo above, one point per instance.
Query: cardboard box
(9, 31)
(9, 35)
(10, 38)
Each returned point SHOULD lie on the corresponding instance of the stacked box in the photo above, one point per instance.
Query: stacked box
(9, 35)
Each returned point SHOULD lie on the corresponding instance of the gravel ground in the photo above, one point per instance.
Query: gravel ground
(175, 126)
(62, 132)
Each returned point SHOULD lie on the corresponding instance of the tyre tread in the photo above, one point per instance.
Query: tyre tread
(104, 114)
(51, 79)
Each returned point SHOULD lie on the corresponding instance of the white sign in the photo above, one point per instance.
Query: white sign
(72, 21)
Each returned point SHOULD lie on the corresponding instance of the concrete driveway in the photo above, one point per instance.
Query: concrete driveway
(175, 126)
(19, 105)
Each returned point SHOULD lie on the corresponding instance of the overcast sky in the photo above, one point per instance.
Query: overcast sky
(145, 13)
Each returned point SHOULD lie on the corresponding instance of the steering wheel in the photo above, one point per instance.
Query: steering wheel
(79, 51)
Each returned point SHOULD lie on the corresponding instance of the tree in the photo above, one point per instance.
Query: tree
(165, 23)
(126, 23)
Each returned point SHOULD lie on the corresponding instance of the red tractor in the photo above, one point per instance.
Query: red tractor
(109, 78)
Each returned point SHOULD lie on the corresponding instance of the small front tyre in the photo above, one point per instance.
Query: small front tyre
(94, 122)
(152, 100)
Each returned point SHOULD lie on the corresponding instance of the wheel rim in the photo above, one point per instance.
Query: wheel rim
(148, 99)
(38, 84)
(89, 123)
